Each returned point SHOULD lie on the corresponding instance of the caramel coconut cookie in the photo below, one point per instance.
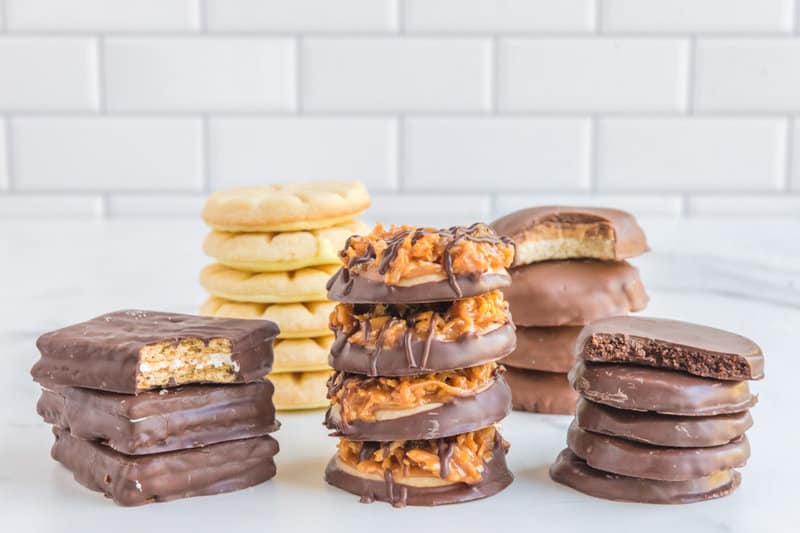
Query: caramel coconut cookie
(407, 339)
(286, 207)
(427, 406)
(455, 469)
(419, 265)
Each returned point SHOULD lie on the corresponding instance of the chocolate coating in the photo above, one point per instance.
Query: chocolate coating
(662, 430)
(541, 392)
(137, 480)
(662, 343)
(459, 415)
(573, 292)
(103, 353)
(153, 422)
(572, 471)
(346, 287)
(544, 349)
(467, 351)
(634, 459)
(621, 226)
(640, 388)
(495, 478)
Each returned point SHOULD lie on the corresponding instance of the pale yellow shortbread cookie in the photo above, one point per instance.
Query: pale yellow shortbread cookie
(304, 285)
(300, 390)
(286, 207)
(271, 252)
(297, 320)
(302, 355)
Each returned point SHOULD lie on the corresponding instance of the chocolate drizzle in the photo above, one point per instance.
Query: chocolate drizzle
(426, 351)
(452, 236)
(446, 448)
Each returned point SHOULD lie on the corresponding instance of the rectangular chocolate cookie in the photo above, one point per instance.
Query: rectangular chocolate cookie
(155, 422)
(133, 351)
(137, 480)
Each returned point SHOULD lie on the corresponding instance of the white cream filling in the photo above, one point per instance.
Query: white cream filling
(216, 360)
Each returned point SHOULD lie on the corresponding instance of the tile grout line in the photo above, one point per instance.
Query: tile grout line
(791, 122)
(202, 19)
(399, 149)
(691, 69)
(593, 154)
(419, 34)
(298, 75)
(597, 17)
(400, 17)
(102, 99)
(206, 152)
(493, 78)
(9, 156)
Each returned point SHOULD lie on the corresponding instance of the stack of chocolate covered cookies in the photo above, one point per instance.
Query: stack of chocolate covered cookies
(569, 270)
(275, 247)
(417, 391)
(663, 411)
(131, 417)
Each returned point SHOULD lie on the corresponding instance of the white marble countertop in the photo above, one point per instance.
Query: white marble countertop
(742, 276)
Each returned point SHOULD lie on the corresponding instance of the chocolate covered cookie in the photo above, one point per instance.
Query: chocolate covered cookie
(545, 233)
(134, 351)
(420, 265)
(658, 342)
(574, 292)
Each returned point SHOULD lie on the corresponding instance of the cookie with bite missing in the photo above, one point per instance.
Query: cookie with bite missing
(545, 233)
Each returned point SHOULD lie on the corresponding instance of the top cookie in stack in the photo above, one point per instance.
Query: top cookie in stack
(276, 247)
(417, 392)
(569, 270)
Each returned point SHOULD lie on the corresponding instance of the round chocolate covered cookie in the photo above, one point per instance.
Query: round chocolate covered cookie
(662, 430)
(574, 292)
(420, 265)
(430, 406)
(545, 233)
(541, 392)
(634, 459)
(405, 339)
(572, 471)
(427, 484)
(544, 349)
(641, 388)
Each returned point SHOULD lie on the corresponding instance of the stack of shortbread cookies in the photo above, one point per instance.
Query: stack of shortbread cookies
(276, 247)
(569, 270)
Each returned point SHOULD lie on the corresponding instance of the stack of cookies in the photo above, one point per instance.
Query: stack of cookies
(663, 411)
(276, 248)
(569, 270)
(417, 391)
(131, 418)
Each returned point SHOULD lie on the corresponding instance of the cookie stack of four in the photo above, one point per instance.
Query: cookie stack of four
(569, 270)
(275, 248)
(417, 391)
(663, 411)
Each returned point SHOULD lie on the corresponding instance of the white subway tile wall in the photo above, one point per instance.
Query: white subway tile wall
(449, 110)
